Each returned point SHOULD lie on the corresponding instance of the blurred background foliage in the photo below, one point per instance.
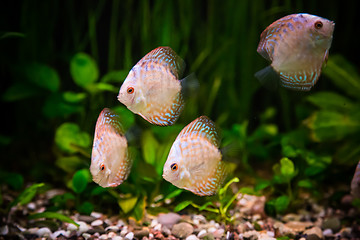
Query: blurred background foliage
(62, 62)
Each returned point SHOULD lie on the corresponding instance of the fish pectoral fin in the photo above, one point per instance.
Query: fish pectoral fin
(189, 86)
(269, 78)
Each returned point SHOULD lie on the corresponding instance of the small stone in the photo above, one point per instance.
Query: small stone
(141, 233)
(103, 236)
(96, 215)
(129, 236)
(112, 229)
(43, 232)
(86, 235)
(31, 206)
(120, 223)
(314, 233)
(97, 222)
(169, 219)
(298, 226)
(71, 227)
(264, 236)
(60, 233)
(333, 223)
(117, 238)
(191, 237)
(87, 219)
(111, 235)
(211, 229)
(328, 232)
(165, 231)
(202, 233)
(83, 227)
(251, 235)
(218, 233)
(182, 230)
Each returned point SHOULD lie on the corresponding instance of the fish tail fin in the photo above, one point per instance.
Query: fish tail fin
(230, 151)
(189, 85)
(269, 78)
(133, 134)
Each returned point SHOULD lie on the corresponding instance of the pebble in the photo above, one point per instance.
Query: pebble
(191, 237)
(71, 227)
(182, 230)
(202, 233)
(129, 236)
(251, 235)
(83, 227)
(86, 235)
(168, 219)
(60, 233)
(141, 233)
(298, 226)
(112, 229)
(218, 233)
(43, 232)
(96, 215)
(4, 230)
(328, 232)
(97, 222)
(117, 238)
(314, 233)
(31, 206)
(333, 223)
(87, 219)
(103, 236)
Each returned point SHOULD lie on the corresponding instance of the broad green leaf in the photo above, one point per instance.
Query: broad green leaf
(182, 205)
(330, 125)
(70, 164)
(56, 105)
(73, 97)
(247, 190)
(14, 180)
(68, 136)
(53, 215)
(316, 160)
(305, 183)
(343, 74)
(115, 77)
(127, 204)
(101, 87)
(282, 203)
(27, 195)
(287, 168)
(85, 208)
(98, 190)
(313, 170)
(83, 69)
(20, 91)
(262, 184)
(80, 180)
(139, 209)
(149, 147)
(330, 101)
(173, 194)
(43, 76)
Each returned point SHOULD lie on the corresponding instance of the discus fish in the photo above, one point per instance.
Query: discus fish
(152, 88)
(110, 159)
(297, 46)
(195, 161)
(355, 183)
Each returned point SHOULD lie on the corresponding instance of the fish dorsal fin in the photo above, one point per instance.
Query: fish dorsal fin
(168, 58)
(204, 127)
(108, 119)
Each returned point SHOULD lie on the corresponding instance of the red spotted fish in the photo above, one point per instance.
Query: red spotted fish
(297, 46)
(110, 159)
(152, 88)
(355, 183)
(195, 161)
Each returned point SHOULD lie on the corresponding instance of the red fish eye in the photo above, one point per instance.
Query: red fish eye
(102, 167)
(318, 24)
(130, 90)
(174, 167)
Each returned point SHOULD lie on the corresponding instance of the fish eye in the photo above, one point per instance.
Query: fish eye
(130, 90)
(318, 24)
(174, 167)
(102, 167)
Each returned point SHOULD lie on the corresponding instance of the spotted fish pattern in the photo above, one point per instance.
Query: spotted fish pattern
(152, 88)
(110, 159)
(195, 161)
(297, 47)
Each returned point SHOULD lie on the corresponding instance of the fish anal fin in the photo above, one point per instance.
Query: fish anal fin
(269, 78)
